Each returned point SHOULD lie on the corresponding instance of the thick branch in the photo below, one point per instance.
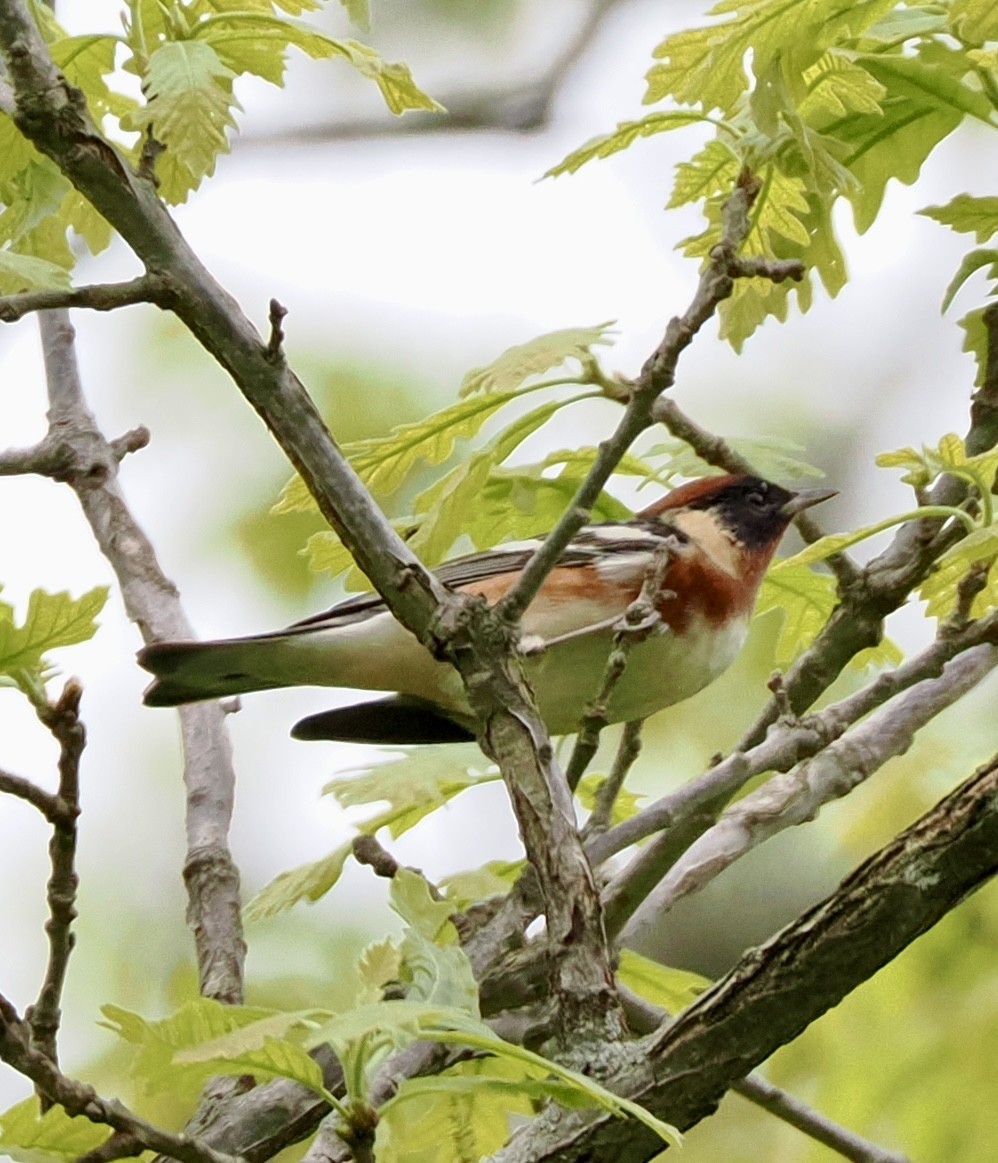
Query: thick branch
(798, 796)
(776, 991)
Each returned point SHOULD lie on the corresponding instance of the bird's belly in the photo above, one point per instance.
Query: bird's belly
(663, 669)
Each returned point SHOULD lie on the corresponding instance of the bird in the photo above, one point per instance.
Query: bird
(716, 536)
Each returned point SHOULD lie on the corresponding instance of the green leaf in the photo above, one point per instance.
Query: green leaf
(189, 104)
(21, 272)
(378, 964)
(940, 589)
(494, 878)
(399, 90)
(836, 86)
(971, 262)
(968, 215)
(260, 1048)
(411, 897)
(449, 504)
(917, 471)
(194, 1024)
(710, 172)
(806, 600)
(624, 136)
(359, 13)
(412, 783)
(974, 21)
(28, 1136)
(670, 989)
(509, 371)
(396, 1023)
(307, 882)
(626, 805)
(52, 621)
(705, 66)
(926, 100)
(383, 463)
(975, 341)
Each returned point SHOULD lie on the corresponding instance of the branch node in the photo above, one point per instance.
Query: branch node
(275, 345)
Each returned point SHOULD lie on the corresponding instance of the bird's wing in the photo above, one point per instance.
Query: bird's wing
(592, 544)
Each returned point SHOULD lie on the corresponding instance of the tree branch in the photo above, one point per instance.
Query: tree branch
(89, 464)
(682, 1071)
(80, 1099)
(62, 719)
(98, 297)
(481, 645)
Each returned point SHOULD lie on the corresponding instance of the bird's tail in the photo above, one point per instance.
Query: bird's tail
(187, 672)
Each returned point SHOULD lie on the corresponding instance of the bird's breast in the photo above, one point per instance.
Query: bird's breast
(665, 668)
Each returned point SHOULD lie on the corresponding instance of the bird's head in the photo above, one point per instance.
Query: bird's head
(737, 521)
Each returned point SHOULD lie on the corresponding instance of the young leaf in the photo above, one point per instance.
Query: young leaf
(307, 882)
(670, 989)
(517, 364)
(189, 107)
(971, 262)
(626, 133)
(968, 215)
(411, 898)
(625, 805)
(22, 272)
(52, 620)
(384, 462)
(806, 599)
(261, 1049)
(449, 504)
(940, 588)
(194, 1024)
(495, 878)
(29, 1136)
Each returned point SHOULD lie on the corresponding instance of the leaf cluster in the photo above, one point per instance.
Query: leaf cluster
(823, 101)
(187, 56)
(51, 621)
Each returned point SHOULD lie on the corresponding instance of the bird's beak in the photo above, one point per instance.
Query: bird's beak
(805, 499)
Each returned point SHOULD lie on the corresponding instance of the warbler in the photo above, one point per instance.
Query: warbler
(716, 537)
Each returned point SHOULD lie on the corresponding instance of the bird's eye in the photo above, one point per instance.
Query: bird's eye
(757, 498)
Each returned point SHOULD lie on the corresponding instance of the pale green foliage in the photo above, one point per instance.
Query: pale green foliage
(412, 785)
(840, 99)
(518, 364)
(979, 548)
(187, 55)
(204, 1038)
(626, 804)
(52, 620)
(670, 989)
(478, 498)
(28, 1136)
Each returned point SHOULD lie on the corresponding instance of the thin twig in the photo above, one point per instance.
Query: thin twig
(657, 376)
(789, 743)
(628, 751)
(640, 619)
(841, 1140)
(80, 1099)
(50, 806)
(98, 297)
(63, 720)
